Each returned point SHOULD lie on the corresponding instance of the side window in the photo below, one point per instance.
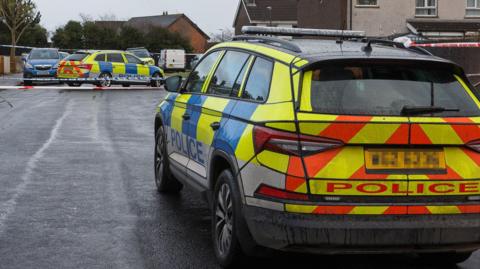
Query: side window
(100, 58)
(115, 58)
(258, 83)
(132, 59)
(227, 74)
(199, 75)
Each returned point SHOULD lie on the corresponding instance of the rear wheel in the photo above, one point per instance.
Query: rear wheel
(156, 80)
(165, 181)
(445, 258)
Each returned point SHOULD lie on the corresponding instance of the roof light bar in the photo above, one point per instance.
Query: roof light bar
(262, 30)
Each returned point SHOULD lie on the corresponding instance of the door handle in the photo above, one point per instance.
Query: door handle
(215, 126)
(186, 116)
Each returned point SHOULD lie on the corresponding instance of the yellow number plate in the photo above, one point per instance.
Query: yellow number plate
(405, 159)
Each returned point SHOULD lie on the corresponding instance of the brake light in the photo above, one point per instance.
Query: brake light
(85, 66)
(271, 192)
(474, 145)
(290, 143)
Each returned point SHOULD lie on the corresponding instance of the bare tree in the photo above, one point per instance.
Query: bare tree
(222, 35)
(18, 16)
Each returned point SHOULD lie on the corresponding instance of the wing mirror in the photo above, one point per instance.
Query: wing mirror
(173, 84)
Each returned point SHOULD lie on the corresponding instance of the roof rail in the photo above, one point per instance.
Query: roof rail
(283, 31)
(394, 44)
(273, 41)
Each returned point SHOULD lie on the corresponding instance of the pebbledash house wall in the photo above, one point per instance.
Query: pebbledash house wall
(185, 29)
(389, 16)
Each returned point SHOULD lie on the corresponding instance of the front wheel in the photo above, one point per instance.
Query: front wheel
(445, 258)
(104, 80)
(164, 180)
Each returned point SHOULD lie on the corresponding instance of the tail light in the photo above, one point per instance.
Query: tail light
(474, 145)
(290, 143)
(85, 66)
(271, 192)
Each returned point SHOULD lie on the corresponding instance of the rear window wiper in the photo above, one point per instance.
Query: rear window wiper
(419, 110)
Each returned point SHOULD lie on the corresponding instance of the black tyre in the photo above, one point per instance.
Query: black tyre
(156, 82)
(74, 84)
(27, 83)
(125, 85)
(165, 181)
(445, 258)
(104, 80)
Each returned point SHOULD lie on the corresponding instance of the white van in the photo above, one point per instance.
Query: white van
(172, 59)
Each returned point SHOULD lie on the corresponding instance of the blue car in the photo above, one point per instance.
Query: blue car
(41, 63)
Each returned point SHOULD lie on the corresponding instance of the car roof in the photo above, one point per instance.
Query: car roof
(316, 50)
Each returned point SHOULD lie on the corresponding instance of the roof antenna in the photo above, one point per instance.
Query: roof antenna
(368, 47)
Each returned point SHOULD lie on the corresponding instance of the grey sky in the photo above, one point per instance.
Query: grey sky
(210, 15)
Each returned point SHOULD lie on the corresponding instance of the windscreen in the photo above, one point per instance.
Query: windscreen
(43, 54)
(141, 53)
(386, 90)
(76, 57)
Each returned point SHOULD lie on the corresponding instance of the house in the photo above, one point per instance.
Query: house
(176, 23)
(330, 14)
(435, 19)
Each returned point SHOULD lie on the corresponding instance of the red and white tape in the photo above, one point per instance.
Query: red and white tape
(448, 45)
(95, 88)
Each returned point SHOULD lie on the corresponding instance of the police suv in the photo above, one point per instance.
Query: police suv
(328, 146)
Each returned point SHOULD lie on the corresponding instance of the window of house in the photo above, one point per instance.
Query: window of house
(258, 84)
(251, 3)
(226, 79)
(426, 8)
(366, 3)
(199, 75)
(473, 8)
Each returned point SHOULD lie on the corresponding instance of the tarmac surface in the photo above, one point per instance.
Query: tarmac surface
(77, 190)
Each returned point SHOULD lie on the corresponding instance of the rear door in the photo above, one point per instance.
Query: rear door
(135, 68)
(118, 65)
(388, 158)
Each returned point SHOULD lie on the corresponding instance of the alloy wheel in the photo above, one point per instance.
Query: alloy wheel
(224, 219)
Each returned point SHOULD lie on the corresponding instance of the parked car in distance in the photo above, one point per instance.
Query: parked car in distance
(40, 63)
(107, 67)
(63, 55)
(172, 60)
(143, 54)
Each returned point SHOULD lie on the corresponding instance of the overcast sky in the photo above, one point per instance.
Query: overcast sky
(210, 15)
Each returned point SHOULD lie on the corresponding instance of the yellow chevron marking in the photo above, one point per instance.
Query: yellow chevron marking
(368, 210)
(375, 133)
(313, 128)
(302, 188)
(441, 134)
(344, 165)
(303, 209)
(316, 117)
(444, 210)
(426, 120)
(273, 160)
(461, 163)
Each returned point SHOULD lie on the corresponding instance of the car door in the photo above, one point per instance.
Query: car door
(135, 68)
(182, 141)
(118, 65)
(219, 98)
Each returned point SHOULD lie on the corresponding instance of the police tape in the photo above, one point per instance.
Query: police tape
(113, 79)
(448, 45)
(68, 88)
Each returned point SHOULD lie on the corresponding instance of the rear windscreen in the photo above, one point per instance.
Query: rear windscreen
(76, 57)
(385, 90)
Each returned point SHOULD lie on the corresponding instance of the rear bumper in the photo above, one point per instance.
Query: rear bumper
(363, 234)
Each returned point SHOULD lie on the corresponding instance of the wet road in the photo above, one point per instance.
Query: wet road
(77, 190)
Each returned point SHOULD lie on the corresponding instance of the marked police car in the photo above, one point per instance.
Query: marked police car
(326, 146)
(105, 68)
